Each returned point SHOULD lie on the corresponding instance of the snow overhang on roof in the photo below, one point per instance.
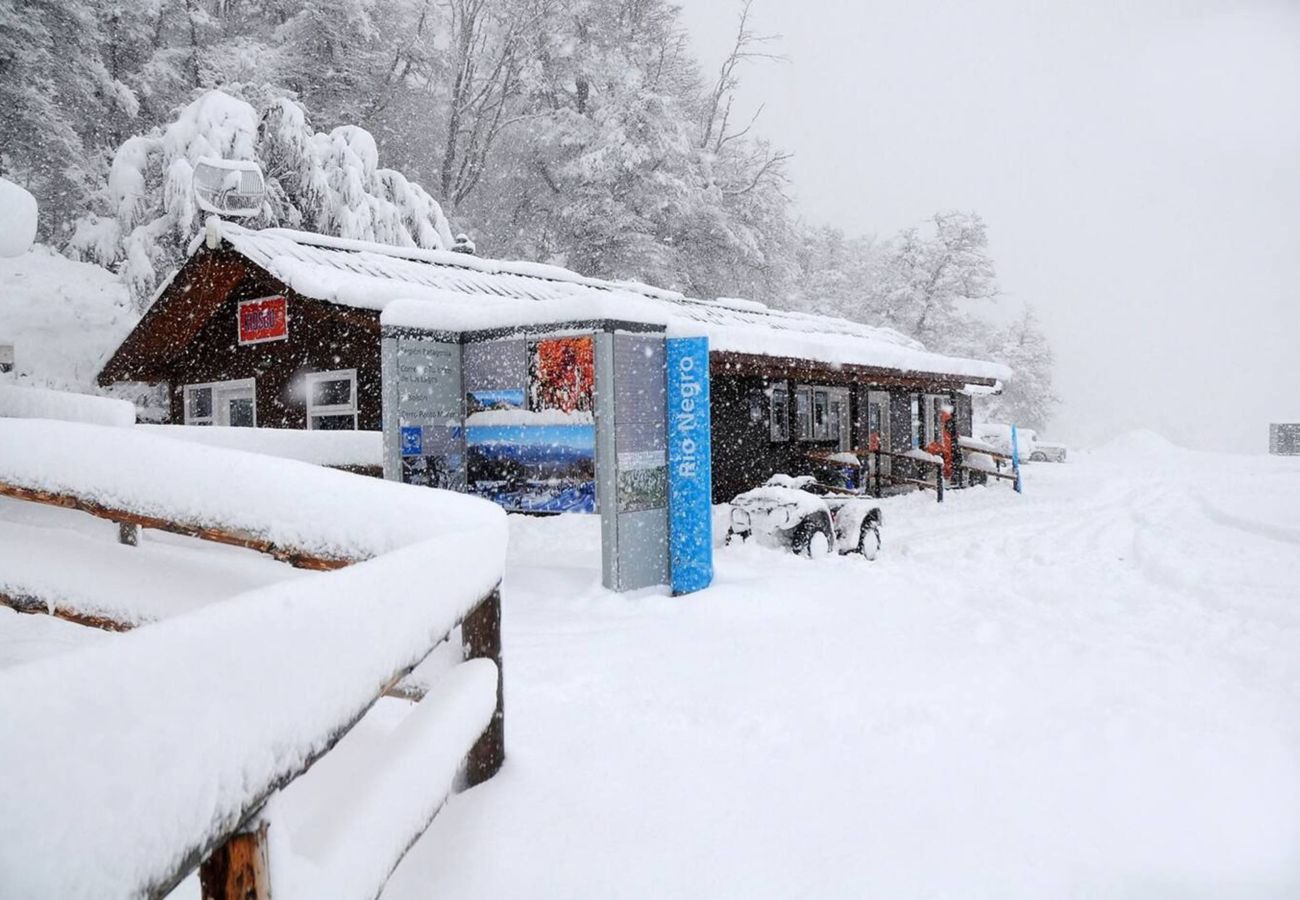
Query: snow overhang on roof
(454, 292)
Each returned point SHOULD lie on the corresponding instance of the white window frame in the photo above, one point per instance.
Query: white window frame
(803, 412)
(334, 409)
(821, 428)
(217, 388)
(778, 429)
(828, 429)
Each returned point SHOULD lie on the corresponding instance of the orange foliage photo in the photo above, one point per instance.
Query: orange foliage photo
(561, 374)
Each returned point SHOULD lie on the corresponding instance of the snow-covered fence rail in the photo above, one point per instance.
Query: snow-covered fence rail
(130, 762)
(337, 449)
(307, 516)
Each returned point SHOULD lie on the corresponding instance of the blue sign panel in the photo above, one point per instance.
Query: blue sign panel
(690, 481)
(412, 440)
(1015, 460)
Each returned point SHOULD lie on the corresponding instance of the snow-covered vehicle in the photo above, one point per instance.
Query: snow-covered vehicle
(808, 518)
(1032, 448)
(998, 436)
(1046, 451)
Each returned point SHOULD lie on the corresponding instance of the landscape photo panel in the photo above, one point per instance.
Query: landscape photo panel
(534, 468)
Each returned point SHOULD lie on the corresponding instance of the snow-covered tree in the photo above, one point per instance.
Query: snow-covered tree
(325, 182)
(931, 276)
(56, 94)
(576, 131)
(935, 283)
(1027, 398)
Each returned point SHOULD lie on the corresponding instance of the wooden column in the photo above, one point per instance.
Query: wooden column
(481, 637)
(238, 870)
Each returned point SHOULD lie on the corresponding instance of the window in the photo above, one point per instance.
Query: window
(332, 400)
(225, 403)
(198, 405)
(821, 415)
(803, 413)
(779, 415)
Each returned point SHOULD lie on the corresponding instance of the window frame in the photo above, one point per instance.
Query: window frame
(331, 409)
(213, 419)
(778, 428)
(803, 416)
(828, 428)
(821, 424)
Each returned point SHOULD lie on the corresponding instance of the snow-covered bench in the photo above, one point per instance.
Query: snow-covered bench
(129, 762)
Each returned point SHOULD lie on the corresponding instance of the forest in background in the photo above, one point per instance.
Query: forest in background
(577, 132)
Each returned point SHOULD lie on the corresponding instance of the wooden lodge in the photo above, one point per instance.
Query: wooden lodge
(283, 329)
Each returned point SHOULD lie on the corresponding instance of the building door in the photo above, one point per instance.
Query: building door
(878, 426)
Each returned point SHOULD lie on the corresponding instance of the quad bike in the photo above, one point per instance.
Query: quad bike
(807, 518)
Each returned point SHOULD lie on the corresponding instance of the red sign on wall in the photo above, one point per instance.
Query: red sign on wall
(263, 319)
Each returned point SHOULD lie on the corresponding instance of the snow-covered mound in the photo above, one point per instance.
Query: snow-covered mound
(1141, 443)
(17, 219)
(63, 318)
(17, 402)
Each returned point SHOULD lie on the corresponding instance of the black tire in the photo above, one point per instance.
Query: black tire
(804, 539)
(869, 540)
(1037, 457)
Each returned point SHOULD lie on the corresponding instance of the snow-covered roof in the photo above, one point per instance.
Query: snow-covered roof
(446, 291)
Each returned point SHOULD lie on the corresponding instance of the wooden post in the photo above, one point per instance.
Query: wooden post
(481, 637)
(128, 534)
(877, 470)
(938, 482)
(238, 870)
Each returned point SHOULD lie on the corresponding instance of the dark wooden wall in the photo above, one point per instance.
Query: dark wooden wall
(745, 456)
(323, 337)
(965, 415)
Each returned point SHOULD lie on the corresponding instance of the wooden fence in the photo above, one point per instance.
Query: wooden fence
(230, 850)
(964, 472)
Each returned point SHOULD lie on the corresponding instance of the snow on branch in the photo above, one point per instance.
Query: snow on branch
(326, 182)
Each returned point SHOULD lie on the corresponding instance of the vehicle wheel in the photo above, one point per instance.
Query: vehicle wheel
(869, 541)
(812, 538)
(1037, 457)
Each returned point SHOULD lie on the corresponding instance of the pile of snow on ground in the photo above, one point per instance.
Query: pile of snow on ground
(64, 318)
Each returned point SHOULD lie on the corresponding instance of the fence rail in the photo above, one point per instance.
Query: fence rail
(182, 730)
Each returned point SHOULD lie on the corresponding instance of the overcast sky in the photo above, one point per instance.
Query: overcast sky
(1138, 164)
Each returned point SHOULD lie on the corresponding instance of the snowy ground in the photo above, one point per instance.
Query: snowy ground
(1091, 690)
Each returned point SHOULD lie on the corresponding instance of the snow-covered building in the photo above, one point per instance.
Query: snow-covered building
(277, 328)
